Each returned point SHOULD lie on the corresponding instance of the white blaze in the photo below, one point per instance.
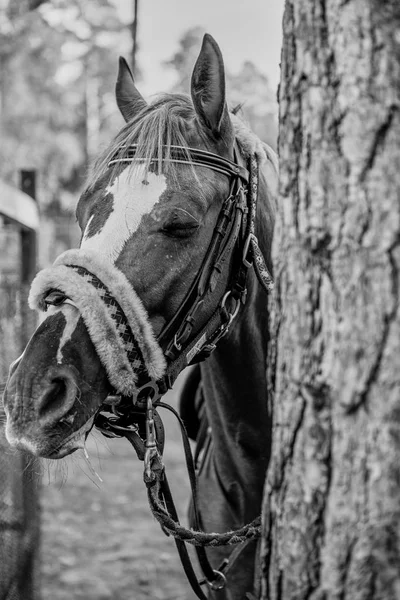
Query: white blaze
(71, 314)
(131, 200)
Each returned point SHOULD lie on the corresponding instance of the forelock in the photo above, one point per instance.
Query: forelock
(166, 122)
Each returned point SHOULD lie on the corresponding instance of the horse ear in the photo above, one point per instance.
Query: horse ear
(208, 86)
(129, 99)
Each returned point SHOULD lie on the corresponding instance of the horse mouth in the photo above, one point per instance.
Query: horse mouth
(76, 441)
(64, 451)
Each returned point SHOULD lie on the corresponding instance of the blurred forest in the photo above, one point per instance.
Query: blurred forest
(58, 64)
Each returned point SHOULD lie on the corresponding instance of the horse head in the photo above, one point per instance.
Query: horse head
(147, 217)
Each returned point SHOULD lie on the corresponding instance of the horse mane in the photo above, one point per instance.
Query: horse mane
(250, 143)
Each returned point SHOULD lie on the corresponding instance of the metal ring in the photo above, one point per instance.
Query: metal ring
(219, 583)
(237, 306)
(153, 387)
(250, 238)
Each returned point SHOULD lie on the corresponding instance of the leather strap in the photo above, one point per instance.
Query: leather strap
(180, 545)
(220, 271)
(191, 156)
(213, 274)
(205, 565)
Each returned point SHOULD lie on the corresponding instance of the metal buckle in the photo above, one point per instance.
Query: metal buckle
(151, 453)
(251, 237)
(242, 202)
(224, 328)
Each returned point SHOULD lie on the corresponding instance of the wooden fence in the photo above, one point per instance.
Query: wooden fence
(19, 474)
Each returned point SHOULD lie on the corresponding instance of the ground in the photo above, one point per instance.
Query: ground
(99, 540)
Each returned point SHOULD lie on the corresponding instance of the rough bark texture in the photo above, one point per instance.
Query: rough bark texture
(332, 496)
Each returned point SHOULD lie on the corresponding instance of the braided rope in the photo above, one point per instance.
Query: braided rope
(260, 267)
(198, 538)
(132, 349)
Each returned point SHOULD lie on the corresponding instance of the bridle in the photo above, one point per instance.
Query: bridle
(220, 286)
(204, 317)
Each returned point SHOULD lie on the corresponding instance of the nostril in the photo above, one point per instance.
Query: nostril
(58, 398)
(53, 397)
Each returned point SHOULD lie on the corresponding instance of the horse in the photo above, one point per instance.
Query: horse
(148, 217)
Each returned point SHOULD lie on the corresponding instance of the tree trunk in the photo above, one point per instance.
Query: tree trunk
(92, 108)
(332, 498)
(134, 30)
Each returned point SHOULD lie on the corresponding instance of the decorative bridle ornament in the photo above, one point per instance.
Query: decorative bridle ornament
(142, 368)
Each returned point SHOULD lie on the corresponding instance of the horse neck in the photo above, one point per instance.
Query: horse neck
(235, 395)
(234, 377)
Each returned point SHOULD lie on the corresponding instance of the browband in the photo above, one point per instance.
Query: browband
(193, 156)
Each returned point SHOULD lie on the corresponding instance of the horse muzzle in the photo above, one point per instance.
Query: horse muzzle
(44, 415)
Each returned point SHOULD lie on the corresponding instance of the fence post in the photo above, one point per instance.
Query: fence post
(28, 259)
(30, 575)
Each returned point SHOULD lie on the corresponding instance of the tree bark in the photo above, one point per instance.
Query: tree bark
(332, 497)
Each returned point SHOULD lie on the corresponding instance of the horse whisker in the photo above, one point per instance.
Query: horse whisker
(88, 461)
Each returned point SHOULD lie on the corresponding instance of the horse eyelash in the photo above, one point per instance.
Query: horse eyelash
(188, 213)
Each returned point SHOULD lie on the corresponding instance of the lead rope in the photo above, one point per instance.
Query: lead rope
(163, 509)
(215, 578)
(246, 533)
(209, 573)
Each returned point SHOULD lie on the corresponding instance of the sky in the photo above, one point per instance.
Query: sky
(244, 30)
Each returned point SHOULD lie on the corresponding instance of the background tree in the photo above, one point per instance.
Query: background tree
(332, 497)
(62, 56)
(18, 8)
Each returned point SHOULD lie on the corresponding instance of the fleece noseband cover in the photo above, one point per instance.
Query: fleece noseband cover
(116, 320)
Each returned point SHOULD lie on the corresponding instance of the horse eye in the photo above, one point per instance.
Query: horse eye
(55, 298)
(179, 230)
